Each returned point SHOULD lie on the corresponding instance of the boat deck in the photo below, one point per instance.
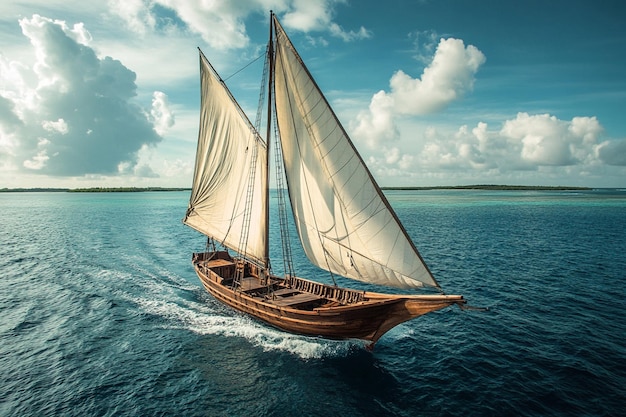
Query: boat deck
(296, 299)
(250, 284)
(279, 296)
(293, 293)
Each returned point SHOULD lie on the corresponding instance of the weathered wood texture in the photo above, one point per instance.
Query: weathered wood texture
(310, 308)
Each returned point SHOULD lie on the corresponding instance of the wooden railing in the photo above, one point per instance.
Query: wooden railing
(341, 295)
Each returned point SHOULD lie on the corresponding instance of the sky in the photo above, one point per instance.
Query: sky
(432, 92)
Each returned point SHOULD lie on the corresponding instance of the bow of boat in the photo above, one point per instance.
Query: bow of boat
(406, 307)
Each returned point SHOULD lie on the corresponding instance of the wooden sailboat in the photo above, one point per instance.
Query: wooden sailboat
(343, 220)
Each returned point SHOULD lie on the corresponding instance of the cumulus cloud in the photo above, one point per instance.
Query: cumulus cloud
(448, 77)
(135, 13)
(545, 140)
(73, 113)
(541, 146)
(58, 126)
(221, 23)
(527, 142)
(309, 16)
(377, 124)
(350, 35)
(613, 152)
(162, 116)
(8, 117)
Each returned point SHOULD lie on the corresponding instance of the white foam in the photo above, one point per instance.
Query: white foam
(200, 318)
(161, 297)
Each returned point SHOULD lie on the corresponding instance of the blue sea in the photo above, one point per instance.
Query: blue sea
(101, 314)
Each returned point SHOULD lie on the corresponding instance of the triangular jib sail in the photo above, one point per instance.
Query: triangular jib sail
(230, 176)
(344, 222)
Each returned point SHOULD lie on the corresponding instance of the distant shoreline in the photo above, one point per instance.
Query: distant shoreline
(91, 190)
(493, 187)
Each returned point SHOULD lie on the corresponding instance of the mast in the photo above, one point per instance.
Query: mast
(270, 56)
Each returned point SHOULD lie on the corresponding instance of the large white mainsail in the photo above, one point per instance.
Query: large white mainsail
(230, 172)
(344, 222)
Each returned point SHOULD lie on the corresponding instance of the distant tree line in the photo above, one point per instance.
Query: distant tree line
(494, 187)
(123, 189)
(91, 190)
(33, 190)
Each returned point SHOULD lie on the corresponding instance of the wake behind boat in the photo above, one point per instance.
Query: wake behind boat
(343, 220)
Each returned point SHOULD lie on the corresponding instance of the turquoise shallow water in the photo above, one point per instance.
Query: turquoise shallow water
(102, 314)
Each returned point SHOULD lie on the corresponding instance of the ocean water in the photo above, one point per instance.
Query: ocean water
(101, 314)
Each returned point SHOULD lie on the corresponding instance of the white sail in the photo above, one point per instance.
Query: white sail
(344, 222)
(230, 172)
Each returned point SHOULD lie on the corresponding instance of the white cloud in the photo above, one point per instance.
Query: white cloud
(546, 140)
(527, 142)
(38, 161)
(221, 23)
(178, 168)
(80, 34)
(317, 16)
(377, 124)
(145, 171)
(308, 16)
(135, 13)
(541, 148)
(349, 36)
(162, 116)
(448, 77)
(539, 143)
(59, 126)
(613, 152)
(73, 113)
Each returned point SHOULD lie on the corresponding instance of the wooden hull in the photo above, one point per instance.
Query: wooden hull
(309, 308)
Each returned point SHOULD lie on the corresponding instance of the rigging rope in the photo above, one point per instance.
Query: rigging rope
(247, 214)
(282, 205)
(243, 68)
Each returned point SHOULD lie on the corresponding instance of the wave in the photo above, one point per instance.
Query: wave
(183, 305)
(201, 319)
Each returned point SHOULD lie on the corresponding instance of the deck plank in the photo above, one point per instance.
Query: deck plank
(285, 291)
(251, 284)
(296, 299)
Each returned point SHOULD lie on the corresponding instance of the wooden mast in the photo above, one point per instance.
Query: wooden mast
(270, 54)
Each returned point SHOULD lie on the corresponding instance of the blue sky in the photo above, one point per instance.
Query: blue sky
(441, 92)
